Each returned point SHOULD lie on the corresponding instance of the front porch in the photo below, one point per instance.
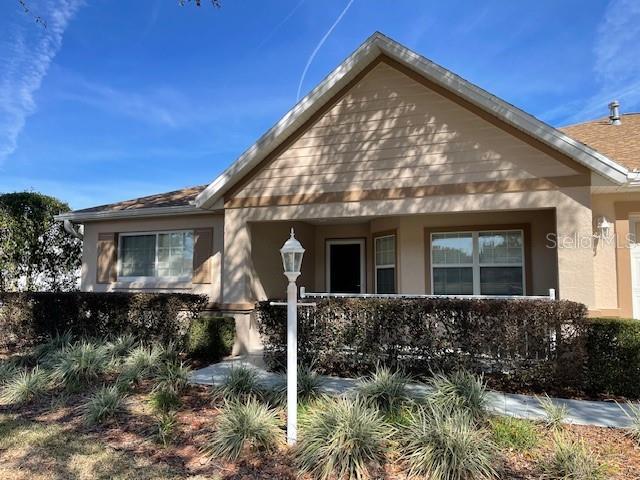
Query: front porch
(490, 253)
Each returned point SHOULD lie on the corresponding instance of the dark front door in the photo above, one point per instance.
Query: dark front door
(345, 268)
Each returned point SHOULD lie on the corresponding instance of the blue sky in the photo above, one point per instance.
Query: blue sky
(118, 99)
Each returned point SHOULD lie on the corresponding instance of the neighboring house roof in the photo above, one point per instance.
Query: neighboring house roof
(618, 142)
(177, 201)
(377, 45)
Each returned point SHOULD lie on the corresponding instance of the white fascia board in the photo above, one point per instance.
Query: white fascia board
(506, 112)
(79, 217)
(300, 113)
(367, 52)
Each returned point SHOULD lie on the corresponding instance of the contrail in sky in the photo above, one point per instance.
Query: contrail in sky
(315, 51)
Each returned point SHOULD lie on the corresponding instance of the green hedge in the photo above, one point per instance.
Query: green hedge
(613, 360)
(210, 338)
(527, 339)
(29, 318)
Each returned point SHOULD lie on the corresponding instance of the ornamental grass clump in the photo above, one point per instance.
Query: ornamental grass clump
(555, 414)
(25, 386)
(166, 426)
(164, 400)
(79, 364)
(104, 404)
(120, 346)
(241, 383)
(309, 386)
(385, 389)
(632, 412)
(345, 438)
(244, 425)
(8, 370)
(173, 375)
(571, 460)
(44, 352)
(142, 362)
(461, 390)
(442, 442)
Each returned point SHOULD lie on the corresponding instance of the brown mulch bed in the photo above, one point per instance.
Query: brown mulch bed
(133, 434)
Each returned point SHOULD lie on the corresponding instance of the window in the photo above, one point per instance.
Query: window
(385, 263)
(478, 263)
(156, 255)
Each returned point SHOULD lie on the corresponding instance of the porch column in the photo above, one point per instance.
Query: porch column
(574, 229)
(237, 258)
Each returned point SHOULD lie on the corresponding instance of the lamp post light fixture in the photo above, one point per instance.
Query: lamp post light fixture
(292, 253)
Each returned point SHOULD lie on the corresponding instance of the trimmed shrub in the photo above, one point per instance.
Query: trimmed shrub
(244, 425)
(30, 318)
(345, 438)
(613, 360)
(349, 337)
(442, 443)
(461, 390)
(514, 433)
(210, 338)
(385, 389)
(571, 460)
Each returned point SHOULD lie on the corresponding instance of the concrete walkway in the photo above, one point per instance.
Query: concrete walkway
(581, 412)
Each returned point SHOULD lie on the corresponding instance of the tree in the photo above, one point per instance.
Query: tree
(36, 253)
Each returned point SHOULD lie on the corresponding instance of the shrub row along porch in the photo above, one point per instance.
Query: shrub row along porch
(543, 344)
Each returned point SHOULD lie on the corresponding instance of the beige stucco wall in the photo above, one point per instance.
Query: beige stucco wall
(605, 256)
(389, 131)
(89, 251)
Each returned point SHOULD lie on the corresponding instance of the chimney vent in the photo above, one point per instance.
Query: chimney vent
(614, 113)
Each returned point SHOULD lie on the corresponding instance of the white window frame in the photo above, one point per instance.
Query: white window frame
(363, 266)
(155, 278)
(391, 265)
(475, 265)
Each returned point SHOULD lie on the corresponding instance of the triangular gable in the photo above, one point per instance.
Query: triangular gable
(363, 62)
(391, 134)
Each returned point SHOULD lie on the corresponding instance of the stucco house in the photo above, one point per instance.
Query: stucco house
(398, 177)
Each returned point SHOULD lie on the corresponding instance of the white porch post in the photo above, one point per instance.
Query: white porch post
(292, 362)
(292, 253)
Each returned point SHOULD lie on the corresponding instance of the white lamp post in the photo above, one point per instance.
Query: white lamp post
(292, 253)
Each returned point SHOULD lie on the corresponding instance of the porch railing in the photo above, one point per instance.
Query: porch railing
(305, 294)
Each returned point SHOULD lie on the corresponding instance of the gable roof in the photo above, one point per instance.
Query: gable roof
(619, 142)
(177, 201)
(376, 45)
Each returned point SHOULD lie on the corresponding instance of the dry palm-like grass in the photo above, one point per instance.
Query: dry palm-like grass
(345, 438)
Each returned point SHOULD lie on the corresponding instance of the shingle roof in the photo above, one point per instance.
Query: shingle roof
(621, 142)
(175, 198)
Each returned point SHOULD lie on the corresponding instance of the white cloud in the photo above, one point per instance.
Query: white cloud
(616, 61)
(27, 52)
